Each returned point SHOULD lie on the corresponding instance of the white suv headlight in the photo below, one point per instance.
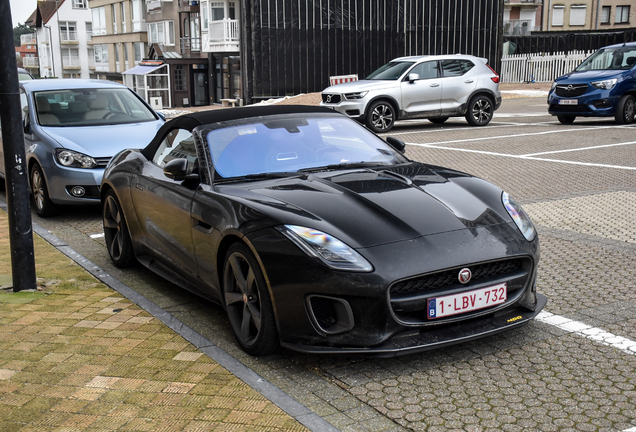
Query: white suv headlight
(356, 95)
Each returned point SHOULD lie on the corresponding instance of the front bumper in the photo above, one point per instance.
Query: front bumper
(61, 181)
(351, 108)
(594, 103)
(368, 319)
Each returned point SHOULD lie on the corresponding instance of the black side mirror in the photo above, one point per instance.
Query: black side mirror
(397, 144)
(177, 169)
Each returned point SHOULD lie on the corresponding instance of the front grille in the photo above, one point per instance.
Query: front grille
(569, 109)
(570, 91)
(102, 162)
(331, 98)
(437, 281)
(324, 312)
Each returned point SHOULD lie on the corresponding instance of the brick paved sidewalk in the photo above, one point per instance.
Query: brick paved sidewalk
(77, 356)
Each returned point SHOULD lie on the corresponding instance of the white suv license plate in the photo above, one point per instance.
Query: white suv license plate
(568, 101)
(467, 301)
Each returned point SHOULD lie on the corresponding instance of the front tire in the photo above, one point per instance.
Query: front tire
(625, 110)
(247, 302)
(380, 117)
(42, 203)
(480, 111)
(566, 118)
(116, 232)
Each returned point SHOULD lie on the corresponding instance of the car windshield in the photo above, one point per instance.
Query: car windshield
(277, 144)
(90, 107)
(24, 76)
(390, 71)
(622, 58)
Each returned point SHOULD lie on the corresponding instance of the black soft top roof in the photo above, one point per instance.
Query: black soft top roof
(192, 120)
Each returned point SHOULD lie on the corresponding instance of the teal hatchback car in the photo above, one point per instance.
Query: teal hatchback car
(72, 128)
(604, 85)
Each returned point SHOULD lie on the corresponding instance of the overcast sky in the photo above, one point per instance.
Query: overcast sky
(21, 10)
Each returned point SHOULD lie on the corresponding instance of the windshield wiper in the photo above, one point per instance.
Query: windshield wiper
(269, 175)
(344, 165)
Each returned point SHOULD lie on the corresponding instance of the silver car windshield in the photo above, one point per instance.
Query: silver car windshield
(90, 107)
(294, 143)
(390, 71)
(622, 58)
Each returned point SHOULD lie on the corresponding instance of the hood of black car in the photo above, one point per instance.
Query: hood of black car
(370, 207)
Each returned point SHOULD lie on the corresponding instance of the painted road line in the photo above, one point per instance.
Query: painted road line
(96, 236)
(589, 332)
(436, 147)
(630, 430)
(580, 149)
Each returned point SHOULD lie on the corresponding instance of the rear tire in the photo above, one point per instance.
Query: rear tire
(480, 111)
(437, 120)
(247, 301)
(42, 204)
(625, 110)
(566, 118)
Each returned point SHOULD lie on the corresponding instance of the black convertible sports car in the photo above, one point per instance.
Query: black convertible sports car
(317, 235)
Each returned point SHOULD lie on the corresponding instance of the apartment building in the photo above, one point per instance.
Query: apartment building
(27, 52)
(572, 15)
(522, 17)
(119, 36)
(62, 36)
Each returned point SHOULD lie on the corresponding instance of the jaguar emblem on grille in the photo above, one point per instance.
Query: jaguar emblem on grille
(464, 275)
(329, 98)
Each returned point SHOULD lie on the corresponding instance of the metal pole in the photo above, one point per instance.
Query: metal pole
(16, 176)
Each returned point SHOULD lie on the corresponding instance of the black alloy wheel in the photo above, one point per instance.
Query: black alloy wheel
(480, 111)
(437, 120)
(247, 301)
(625, 110)
(116, 233)
(42, 204)
(380, 116)
(566, 118)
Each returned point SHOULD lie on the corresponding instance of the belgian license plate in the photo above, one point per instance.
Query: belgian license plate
(568, 101)
(467, 301)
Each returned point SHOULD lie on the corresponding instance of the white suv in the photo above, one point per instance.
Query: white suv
(433, 87)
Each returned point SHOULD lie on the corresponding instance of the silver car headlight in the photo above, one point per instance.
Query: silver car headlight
(70, 158)
(356, 95)
(605, 84)
(328, 249)
(519, 216)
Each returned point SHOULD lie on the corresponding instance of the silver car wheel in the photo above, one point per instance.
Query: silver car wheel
(482, 111)
(381, 117)
(38, 192)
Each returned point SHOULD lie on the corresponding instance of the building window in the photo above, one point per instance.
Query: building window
(557, 15)
(218, 10)
(79, 4)
(138, 15)
(112, 9)
(605, 14)
(123, 17)
(99, 21)
(179, 78)
(139, 51)
(101, 54)
(161, 32)
(577, 15)
(68, 31)
(204, 15)
(89, 31)
(622, 15)
(70, 57)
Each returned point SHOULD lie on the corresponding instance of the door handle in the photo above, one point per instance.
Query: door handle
(199, 225)
(435, 85)
(468, 81)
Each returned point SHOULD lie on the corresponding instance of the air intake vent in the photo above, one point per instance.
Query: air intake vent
(330, 315)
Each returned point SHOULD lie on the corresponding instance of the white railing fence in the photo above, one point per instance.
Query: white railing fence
(518, 68)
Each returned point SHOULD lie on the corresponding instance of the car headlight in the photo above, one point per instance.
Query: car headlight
(357, 95)
(519, 216)
(70, 158)
(605, 84)
(554, 84)
(326, 248)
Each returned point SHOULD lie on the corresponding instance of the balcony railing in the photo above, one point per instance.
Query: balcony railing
(27, 39)
(519, 27)
(190, 45)
(30, 62)
(226, 30)
(71, 62)
(537, 2)
(68, 37)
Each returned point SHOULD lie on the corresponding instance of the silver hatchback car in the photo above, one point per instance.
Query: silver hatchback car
(433, 87)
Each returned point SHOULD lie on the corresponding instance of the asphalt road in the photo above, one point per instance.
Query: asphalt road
(574, 368)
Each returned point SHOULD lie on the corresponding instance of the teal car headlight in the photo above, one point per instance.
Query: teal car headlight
(605, 84)
(70, 158)
(328, 249)
(522, 220)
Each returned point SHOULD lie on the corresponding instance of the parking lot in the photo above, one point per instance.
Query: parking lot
(574, 368)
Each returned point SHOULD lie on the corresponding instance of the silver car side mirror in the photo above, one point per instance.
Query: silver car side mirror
(413, 77)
